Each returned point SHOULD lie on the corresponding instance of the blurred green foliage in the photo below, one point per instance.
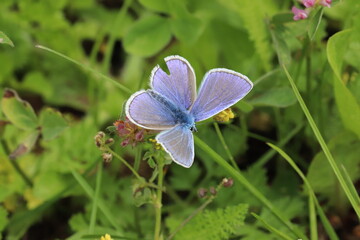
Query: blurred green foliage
(51, 109)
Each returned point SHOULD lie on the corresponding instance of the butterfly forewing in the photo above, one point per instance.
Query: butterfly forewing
(179, 86)
(149, 110)
(179, 143)
(220, 89)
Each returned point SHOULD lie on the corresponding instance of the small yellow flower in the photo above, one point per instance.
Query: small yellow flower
(157, 145)
(106, 237)
(224, 116)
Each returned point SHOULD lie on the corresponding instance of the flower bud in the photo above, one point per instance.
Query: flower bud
(109, 141)
(228, 182)
(202, 192)
(213, 191)
(107, 157)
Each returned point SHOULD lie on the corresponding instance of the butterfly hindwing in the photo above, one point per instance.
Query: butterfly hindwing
(150, 110)
(220, 89)
(179, 86)
(178, 142)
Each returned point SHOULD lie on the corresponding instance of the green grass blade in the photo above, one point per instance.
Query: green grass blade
(323, 145)
(271, 228)
(239, 177)
(269, 154)
(225, 146)
(312, 218)
(328, 228)
(100, 204)
(119, 85)
(352, 187)
(119, 21)
(96, 198)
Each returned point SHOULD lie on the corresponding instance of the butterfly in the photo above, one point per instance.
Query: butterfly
(173, 107)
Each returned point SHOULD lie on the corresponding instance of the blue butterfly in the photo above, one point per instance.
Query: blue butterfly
(171, 105)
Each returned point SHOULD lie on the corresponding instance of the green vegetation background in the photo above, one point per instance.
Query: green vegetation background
(50, 179)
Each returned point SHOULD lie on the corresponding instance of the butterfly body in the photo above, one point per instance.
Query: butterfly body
(180, 115)
(171, 105)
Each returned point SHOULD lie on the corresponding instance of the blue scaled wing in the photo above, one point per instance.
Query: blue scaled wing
(179, 86)
(150, 110)
(220, 89)
(178, 142)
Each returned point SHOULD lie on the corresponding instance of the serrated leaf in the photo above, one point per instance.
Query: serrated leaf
(147, 36)
(52, 123)
(253, 13)
(19, 112)
(5, 39)
(212, 225)
(276, 97)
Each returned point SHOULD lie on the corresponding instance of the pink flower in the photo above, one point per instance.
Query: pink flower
(129, 132)
(299, 13)
(325, 3)
(309, 3)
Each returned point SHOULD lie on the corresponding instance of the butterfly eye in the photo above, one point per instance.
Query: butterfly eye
(193, 128)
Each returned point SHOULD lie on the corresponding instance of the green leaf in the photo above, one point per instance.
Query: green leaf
(346, 150)
(347, 105)
(78, 222)
(5, 40)
(271, 228)
(156, 5)
(216, 225)
(276, 97)
(36, 82)
(323, 145)
(278, 30)
(147, 36)
(25, 146)
(187, 29)
(19, 112)
(52, 123)
(336, 49)
(254, 14)
(314, 23)
(3, 218)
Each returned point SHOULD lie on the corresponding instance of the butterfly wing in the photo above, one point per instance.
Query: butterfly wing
(220, 89)
(150, 110)
(179, 86)
(178, 142)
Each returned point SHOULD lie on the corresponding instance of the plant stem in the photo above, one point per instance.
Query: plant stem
(96, 198)
(323, 145)
(158, 200)
(227, 150)
(119, 85)
(16, 166)
(192, 215)
(125, 163)
(269, 154)
(253, 190)
(137, 158)
(196, 212)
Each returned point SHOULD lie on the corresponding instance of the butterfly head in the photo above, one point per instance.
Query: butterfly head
(193, 128)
